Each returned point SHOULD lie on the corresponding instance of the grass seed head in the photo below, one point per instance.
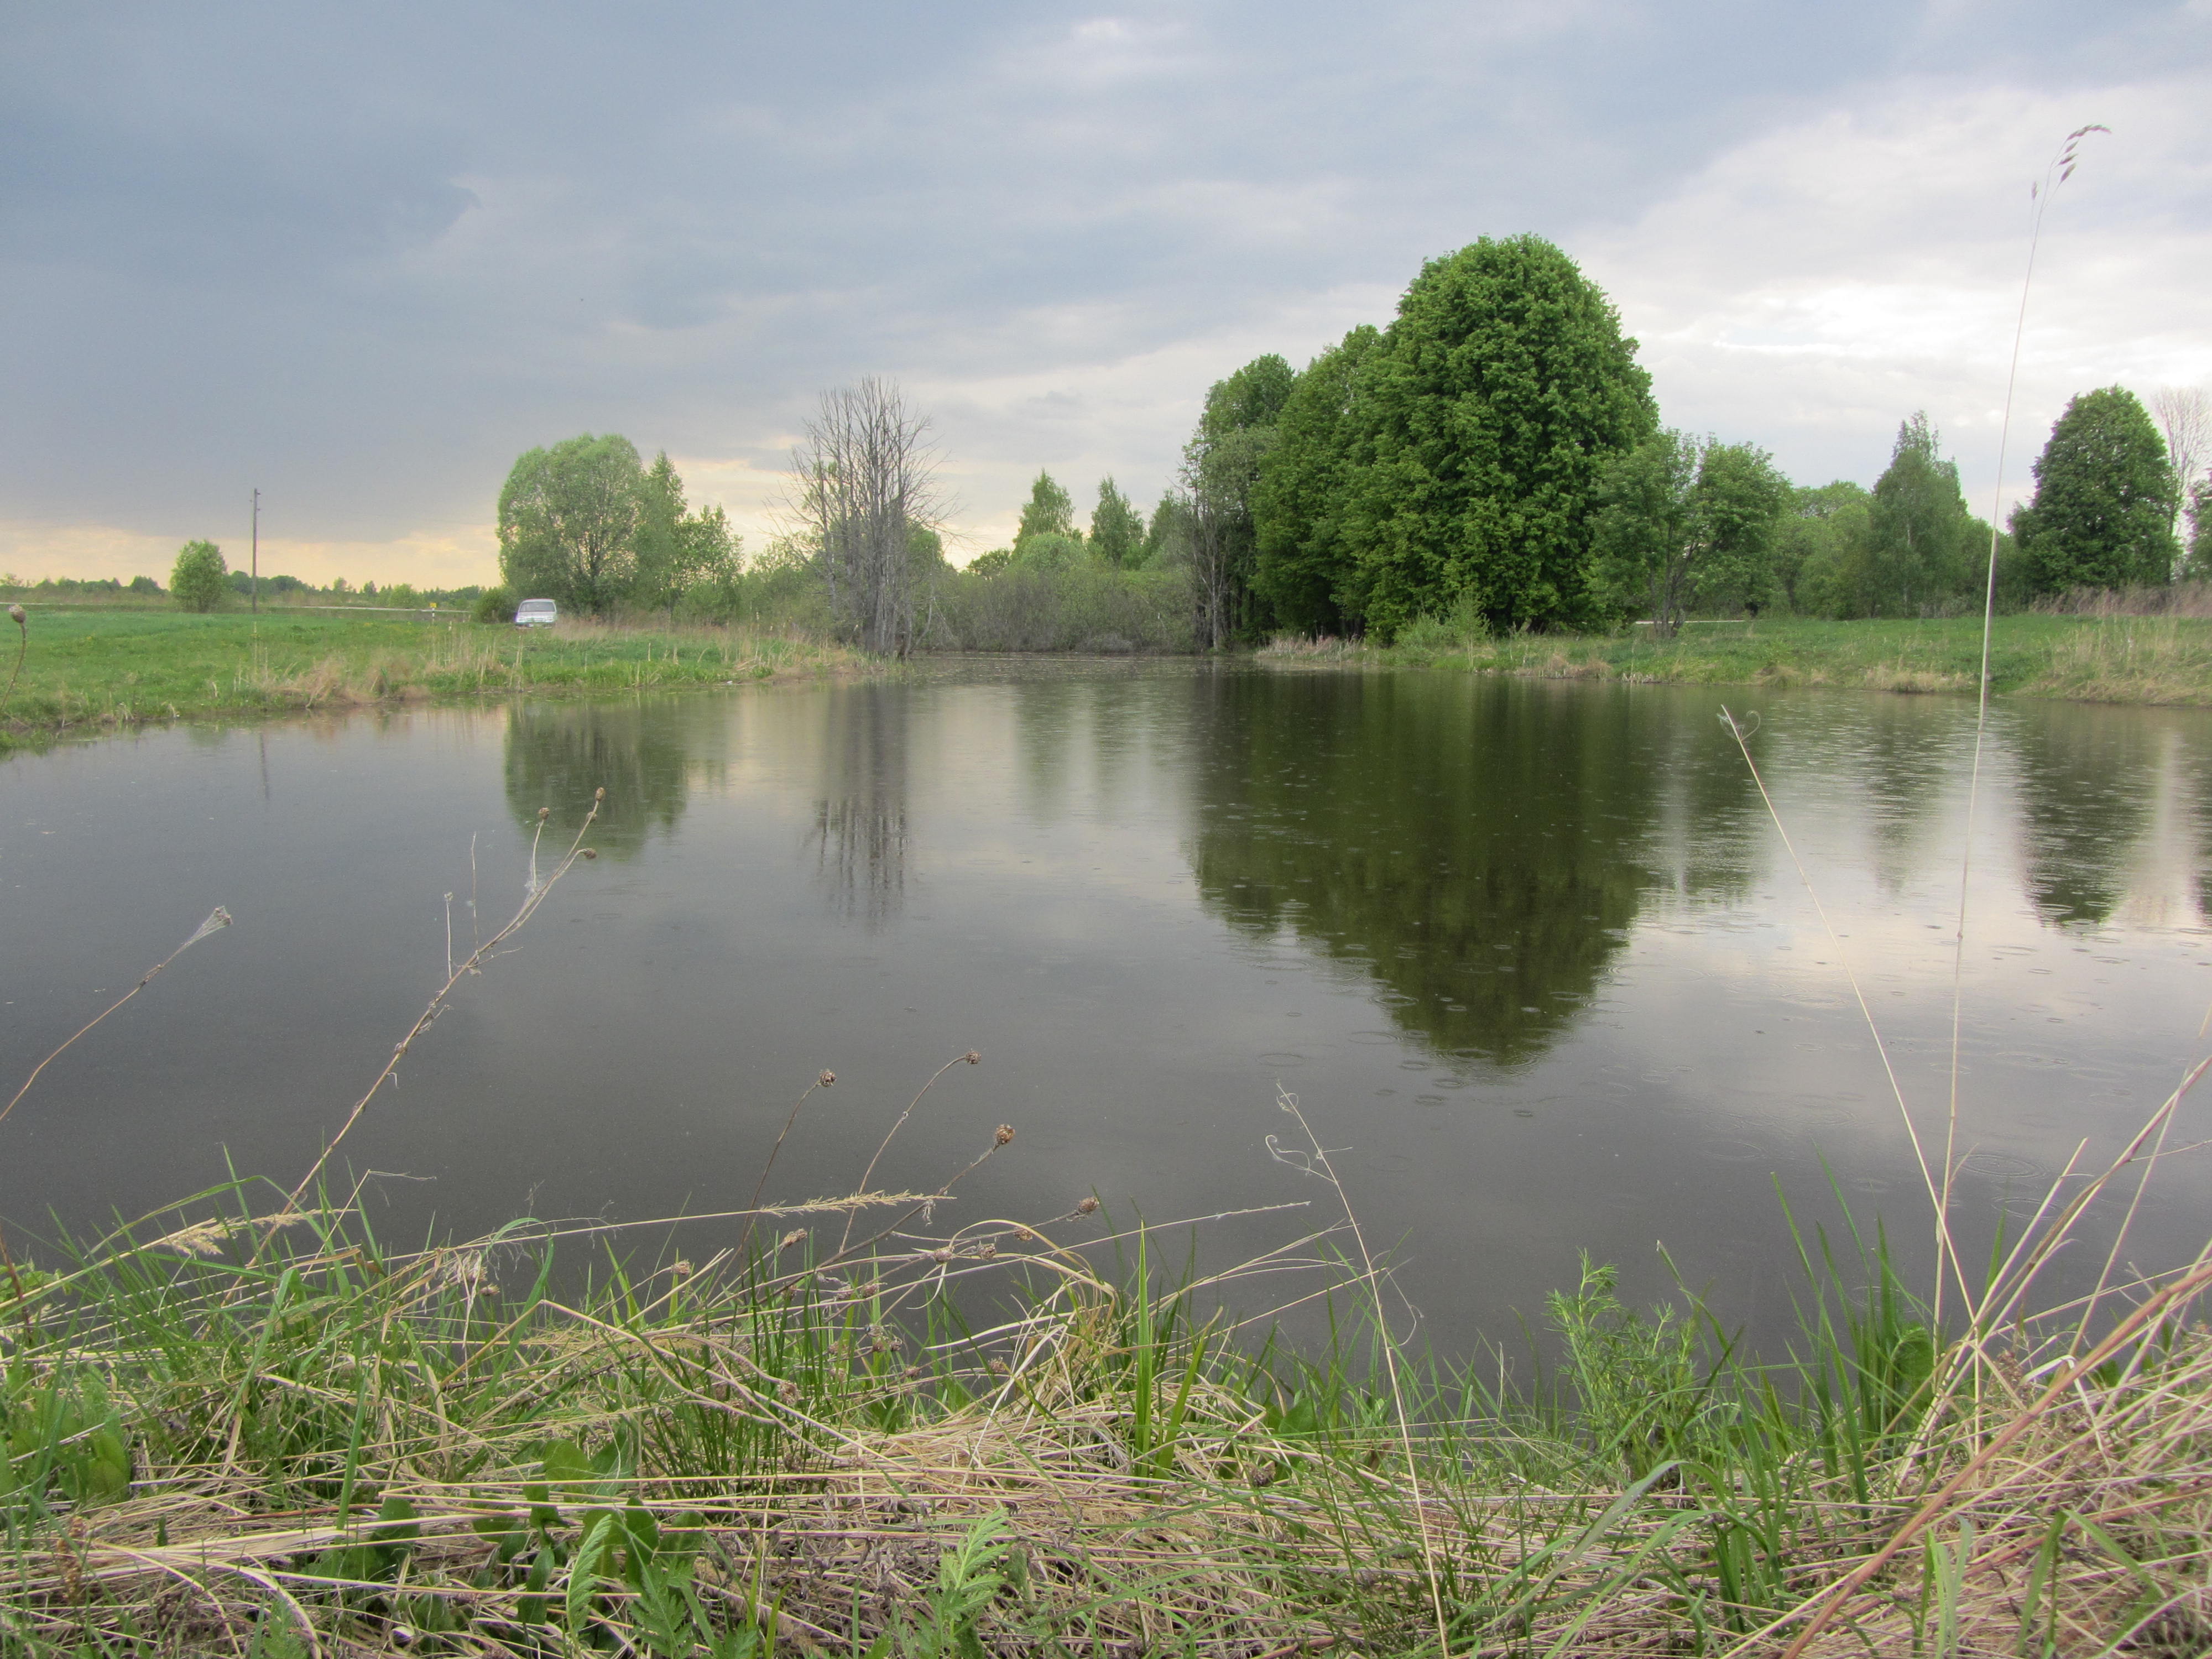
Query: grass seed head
(826, 1080)
(974, 1057)
(1089, 1207)
(590, 852)
(1002, 1135)
(796, 1236)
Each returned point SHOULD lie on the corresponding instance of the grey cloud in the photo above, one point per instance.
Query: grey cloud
(364, 258)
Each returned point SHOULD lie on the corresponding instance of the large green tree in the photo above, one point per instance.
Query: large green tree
(1117, 529)
(569, 519)
(674, 547)
(1921, 542)
(1685, 522)
(1495, 400)
(1222, 467)
(196, 581)
(1299, 505)
(2103, 512)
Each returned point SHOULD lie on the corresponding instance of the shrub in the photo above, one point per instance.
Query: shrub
(197, 580)
(494, 605)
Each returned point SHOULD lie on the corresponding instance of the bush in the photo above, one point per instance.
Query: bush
(197, 580)
(494, 605)
(1083, 607)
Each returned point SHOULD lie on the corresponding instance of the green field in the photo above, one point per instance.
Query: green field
(86, 670)
(2138, 660)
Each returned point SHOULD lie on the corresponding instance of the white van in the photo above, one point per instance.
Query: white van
(536, 613)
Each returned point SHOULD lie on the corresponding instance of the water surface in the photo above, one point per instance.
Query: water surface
(1533, 955)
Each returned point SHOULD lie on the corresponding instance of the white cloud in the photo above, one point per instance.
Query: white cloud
(1812, 286)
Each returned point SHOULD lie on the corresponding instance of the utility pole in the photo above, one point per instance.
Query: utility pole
(257, 552)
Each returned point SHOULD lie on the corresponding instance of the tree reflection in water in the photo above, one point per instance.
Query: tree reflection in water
(1479, 848)
(556, 754)
(860, 837)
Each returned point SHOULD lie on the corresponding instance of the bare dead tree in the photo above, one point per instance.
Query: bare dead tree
(2184, 413)
(864, 480)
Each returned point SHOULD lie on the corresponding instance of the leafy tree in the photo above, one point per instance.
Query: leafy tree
(990, 563)
(1297, 508)
(197, 579)
(1496, 399)
(1921, 543)
(1222, 466)
(1168, 535)
(2103, 512)
(1050, 512)
(1684, 522)
(2199, 565)
(145, 585)
(569, 519)
(1117, 529)
(1823, 532)
(674, 548)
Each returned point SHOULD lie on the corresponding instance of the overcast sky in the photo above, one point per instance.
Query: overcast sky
(362, 258)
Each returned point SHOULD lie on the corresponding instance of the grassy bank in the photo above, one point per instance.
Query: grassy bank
(114, 667)
(255, 1428)
(2138, 660)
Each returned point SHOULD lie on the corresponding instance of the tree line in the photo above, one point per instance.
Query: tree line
(1492, 455)
(1495, 455)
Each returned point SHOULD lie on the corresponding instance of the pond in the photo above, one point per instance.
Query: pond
(1531, 956)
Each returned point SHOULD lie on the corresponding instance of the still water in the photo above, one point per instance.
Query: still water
(1532, 955)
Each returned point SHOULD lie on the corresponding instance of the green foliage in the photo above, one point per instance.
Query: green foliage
(1821, 547)
(1076, 605)
(674, 549)
(2199, 565)
(1050, 511)
(568, 520)
(1487, 414)
(145, 585)
(1635, 1380)
(991, 563)
(1049, 550)
(1222, 467)
(494, 605)
(1117, 529)
(196, 580)
(1298, 504)
(1167, 536)
(1685, 523)
(1922, 544)
(2103, 512)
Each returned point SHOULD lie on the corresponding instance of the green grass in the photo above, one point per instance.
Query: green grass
(241, 1422)
(110, 668)
(2139, 660)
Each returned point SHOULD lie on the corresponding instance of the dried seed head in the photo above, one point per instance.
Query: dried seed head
(599, 794)
(940, 1255)
(544, 813)
(15, 615)
(796, 1236)
(681, 1271)
(787, 1392)
(1002, 1135)
(974, 1057)
(998, 1367)
(825, 1079)
(914, 1373)
(1089, 1207)
(590, 852)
